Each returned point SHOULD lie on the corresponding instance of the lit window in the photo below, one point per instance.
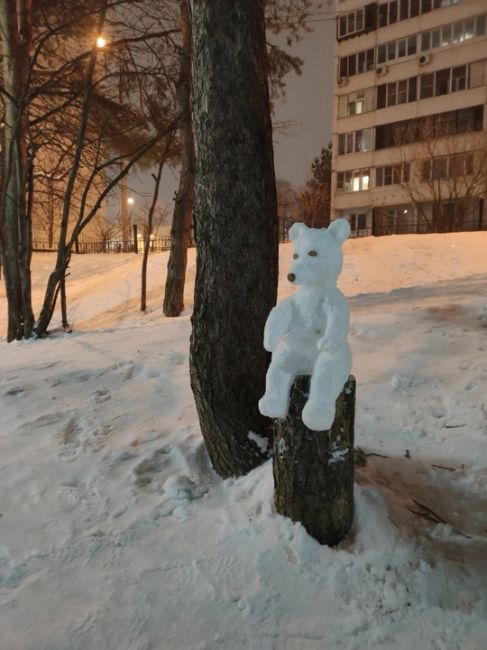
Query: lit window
(469, 28)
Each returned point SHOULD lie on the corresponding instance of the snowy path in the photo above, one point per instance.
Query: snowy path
(116, 534)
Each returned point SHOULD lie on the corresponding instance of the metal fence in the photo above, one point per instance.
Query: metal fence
(381, 226)
(384, 225)
(157, 245)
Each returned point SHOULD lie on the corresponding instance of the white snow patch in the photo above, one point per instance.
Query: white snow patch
(261, 442)
(338, 456)
(95, 425)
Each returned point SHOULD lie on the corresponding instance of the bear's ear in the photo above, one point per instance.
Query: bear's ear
(339, 229)
(297, 229)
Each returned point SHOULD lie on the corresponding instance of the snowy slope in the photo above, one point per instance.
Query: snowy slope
(116, 534)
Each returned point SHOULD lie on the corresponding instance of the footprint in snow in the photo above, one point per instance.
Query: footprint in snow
(101, 395)
(12, 392)
(181, 487)
(176, 359)
(77, 435)
(145, 470)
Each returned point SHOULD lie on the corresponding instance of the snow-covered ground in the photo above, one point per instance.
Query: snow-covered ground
(115, 533)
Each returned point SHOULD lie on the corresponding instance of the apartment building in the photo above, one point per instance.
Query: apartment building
(410, 123)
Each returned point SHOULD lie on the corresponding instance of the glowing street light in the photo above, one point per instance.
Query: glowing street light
(130, 200)
(101, 42)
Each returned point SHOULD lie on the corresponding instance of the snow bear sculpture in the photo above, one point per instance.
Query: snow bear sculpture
(307, 332)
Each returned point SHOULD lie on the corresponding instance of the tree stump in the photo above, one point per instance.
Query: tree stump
(313, 470)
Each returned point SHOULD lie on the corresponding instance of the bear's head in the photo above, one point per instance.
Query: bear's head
(318, 256)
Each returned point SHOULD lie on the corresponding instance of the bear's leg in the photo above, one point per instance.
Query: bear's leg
(330, 373)
(275, 402)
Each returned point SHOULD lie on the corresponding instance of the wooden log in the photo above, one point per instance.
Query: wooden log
(313, 470)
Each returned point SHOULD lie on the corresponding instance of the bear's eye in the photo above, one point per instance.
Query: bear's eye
(312, 253)
(295, 256)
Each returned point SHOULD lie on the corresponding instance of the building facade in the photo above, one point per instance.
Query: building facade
(410, 123)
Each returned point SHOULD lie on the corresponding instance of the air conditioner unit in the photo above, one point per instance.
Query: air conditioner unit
(342, 81)
(424, 59)
(381, 70)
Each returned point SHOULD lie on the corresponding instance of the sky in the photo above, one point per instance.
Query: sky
(308, 105)
(307, 108)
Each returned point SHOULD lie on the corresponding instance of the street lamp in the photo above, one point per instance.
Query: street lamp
(101, 42)
(130, 200)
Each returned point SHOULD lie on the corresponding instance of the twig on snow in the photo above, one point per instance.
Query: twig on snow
(449, 469)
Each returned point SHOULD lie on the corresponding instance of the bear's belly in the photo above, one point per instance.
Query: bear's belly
(309, 326)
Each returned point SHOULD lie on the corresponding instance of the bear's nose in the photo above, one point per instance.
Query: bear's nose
(291, 277)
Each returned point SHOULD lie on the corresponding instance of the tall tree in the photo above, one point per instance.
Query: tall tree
(235, 227)
(288, 207)
(442, 174)
(182, 219)
(316, 196)
(15, 231)
(69, 131)
(280, 15)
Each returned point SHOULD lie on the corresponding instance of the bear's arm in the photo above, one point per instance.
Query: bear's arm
(278, 324)
(337, 320)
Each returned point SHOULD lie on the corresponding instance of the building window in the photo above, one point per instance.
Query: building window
(454, 166)
(439, 168)
(397, 49)
(459, 78)
(390, 12)
(356, 103)
(476, 74)
(465, 120)
(397, 92)
(450, 80)
(351, 23)
(392, 174)
(358, 221)
(427, 85)
(356, 141)
(462, 30)
(353, 181)
(357, 63)
(442, 82)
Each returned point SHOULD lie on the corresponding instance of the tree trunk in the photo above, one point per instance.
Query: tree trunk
(63, 251)
(313, 471)
(183, 209)
(16, 240)
(150, 219)
(64, 305)
(124, 211)
(236, 228)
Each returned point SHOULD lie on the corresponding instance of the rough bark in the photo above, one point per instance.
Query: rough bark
(182, 218)
(16, 241)
(313, 471)
(150, 220)
(64, 306)
(24, 164)
(235, 226)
